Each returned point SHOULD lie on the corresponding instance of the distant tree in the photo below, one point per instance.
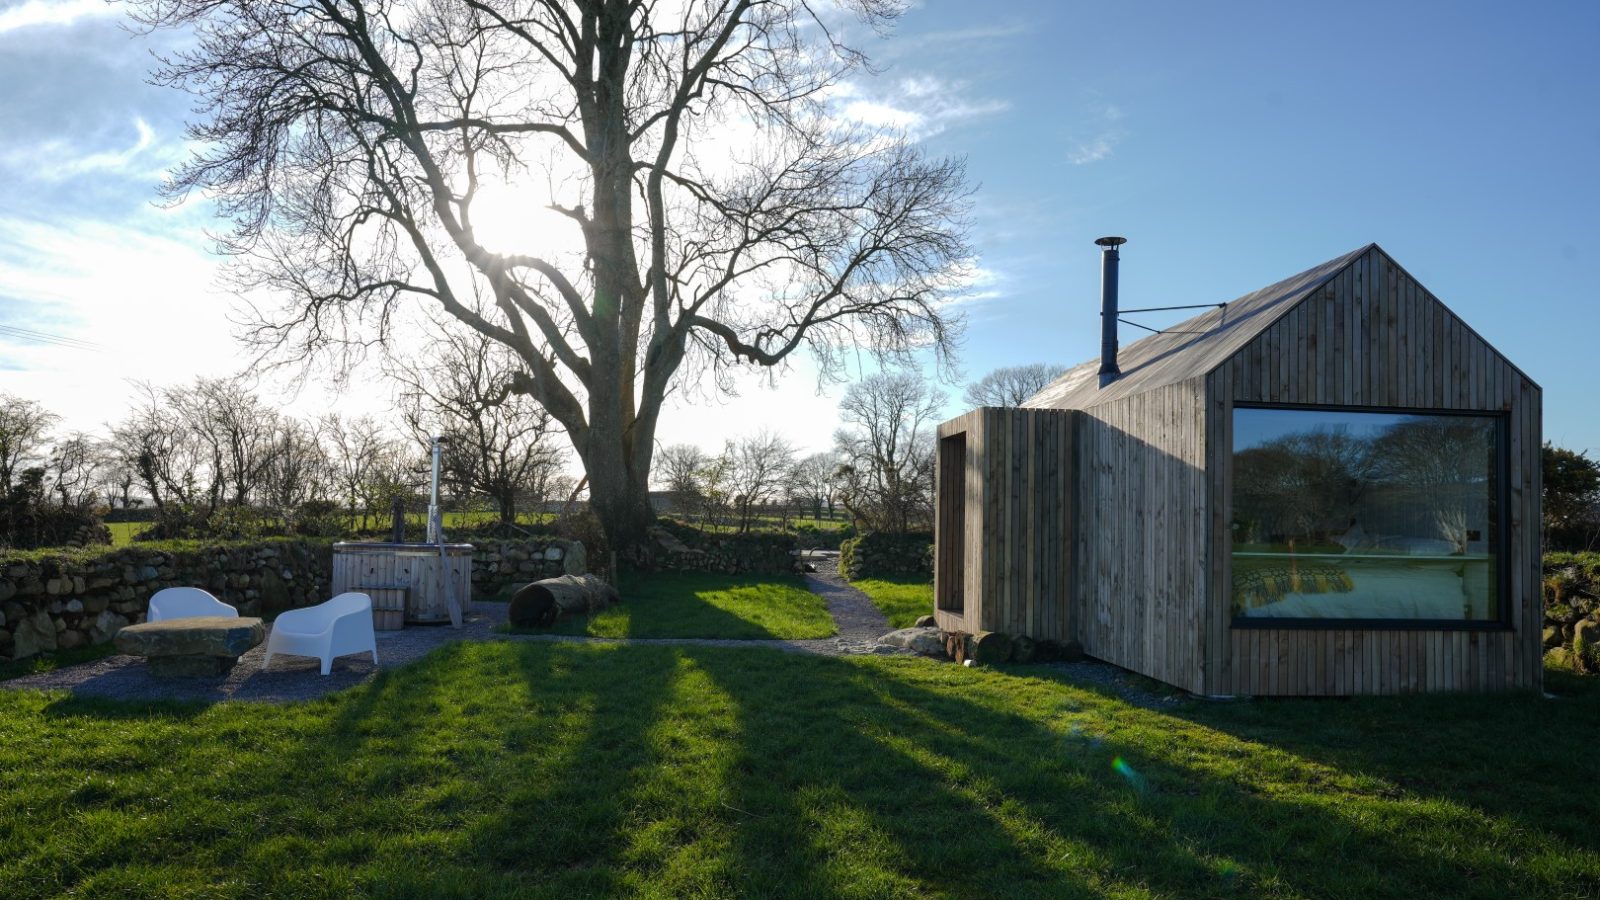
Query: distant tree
(24, 431)
(1571, 498)
(886, 445)
(812, 482)
(500, 443)
(74, 471)
(236, 430)
(355, 448)
(760, 468)
(1012, 385)
(167, 460)
(298, 472)
(679, 469)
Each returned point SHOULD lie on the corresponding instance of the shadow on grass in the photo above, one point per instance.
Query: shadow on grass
(517, 769)
(1505, 755)
(680, 605)
(952, 793)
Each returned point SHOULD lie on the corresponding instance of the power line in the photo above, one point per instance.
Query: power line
(40, 337)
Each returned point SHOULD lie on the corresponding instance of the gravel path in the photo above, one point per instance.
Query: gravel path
(290, 678)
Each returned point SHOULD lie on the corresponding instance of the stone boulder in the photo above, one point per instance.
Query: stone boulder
(1588, 631)
(33, 635)
(105, 626)
(574, 559)
(200, 645)
(924, 641)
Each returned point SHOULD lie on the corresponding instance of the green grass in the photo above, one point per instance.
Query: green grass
(903, 600)
(123, 533)
(699, 605)
(543, 770)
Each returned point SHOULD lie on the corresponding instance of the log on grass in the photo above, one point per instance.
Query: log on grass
(542, 602)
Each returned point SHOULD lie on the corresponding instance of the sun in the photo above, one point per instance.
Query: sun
(518, 219)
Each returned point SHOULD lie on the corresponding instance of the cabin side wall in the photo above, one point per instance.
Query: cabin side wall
(1142, 547)
(1375, 337)
(1003, 545)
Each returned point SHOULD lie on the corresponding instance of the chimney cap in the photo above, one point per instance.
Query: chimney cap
(1110, 241)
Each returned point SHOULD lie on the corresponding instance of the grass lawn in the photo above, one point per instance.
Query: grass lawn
(123, 533)
(543, 770)
(903, 600)
(698, 605)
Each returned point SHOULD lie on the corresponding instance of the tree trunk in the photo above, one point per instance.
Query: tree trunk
(620, 497)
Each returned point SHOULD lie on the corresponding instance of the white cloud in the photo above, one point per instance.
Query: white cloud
(1103, 142)
(42, 12)
(59, 159)
(146, 299)
(921, 105)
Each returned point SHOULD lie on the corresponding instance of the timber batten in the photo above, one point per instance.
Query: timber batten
(1131, 552)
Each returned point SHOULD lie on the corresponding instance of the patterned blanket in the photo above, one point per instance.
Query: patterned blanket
(1255, 587)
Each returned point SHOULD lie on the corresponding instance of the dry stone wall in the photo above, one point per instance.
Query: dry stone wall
(500, 567)
(62, 602)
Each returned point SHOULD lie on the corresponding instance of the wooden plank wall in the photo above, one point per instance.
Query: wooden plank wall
(1141, 544)
(1016, 509)
(1373, 336)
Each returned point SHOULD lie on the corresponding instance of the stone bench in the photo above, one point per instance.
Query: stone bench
(198, 645)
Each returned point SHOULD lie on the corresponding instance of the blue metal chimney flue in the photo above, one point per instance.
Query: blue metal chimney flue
(1108, 308)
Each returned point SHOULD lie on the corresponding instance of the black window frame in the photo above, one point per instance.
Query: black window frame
(1502, 456)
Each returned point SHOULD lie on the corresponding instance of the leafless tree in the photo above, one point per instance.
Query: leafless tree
(886, 477)
(168, 461)
(1012, 385)
(298, 471)
(679, 470)
(759, 469)
(499, 443)
(74, 471)
(812, 482)
(725, 214)
(355, 448)
(239, 432)
(115, 478)
(24, 430)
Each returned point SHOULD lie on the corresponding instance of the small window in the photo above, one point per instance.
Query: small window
(1353, 516)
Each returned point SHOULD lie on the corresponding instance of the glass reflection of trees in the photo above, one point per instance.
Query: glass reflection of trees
(1401, 484)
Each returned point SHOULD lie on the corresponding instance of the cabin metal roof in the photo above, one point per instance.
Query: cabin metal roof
(1191, 348)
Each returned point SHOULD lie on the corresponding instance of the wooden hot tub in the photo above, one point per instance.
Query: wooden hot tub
(411, 577)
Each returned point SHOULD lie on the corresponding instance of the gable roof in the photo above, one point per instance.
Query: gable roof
(1190, 348)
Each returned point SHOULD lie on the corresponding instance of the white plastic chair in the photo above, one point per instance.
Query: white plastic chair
(185, 602)
(341, 625)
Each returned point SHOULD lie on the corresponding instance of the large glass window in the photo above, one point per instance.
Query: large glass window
(1365, 515)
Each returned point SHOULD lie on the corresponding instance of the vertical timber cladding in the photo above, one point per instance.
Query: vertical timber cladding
(1373, 336)
(1142, 552)
(1014, 519)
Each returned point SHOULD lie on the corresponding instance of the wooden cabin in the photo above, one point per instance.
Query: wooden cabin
(1329, 486)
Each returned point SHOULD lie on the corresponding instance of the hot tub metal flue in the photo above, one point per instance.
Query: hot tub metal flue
(435, 523)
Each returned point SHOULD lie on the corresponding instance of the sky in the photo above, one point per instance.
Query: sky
(1232, 143)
